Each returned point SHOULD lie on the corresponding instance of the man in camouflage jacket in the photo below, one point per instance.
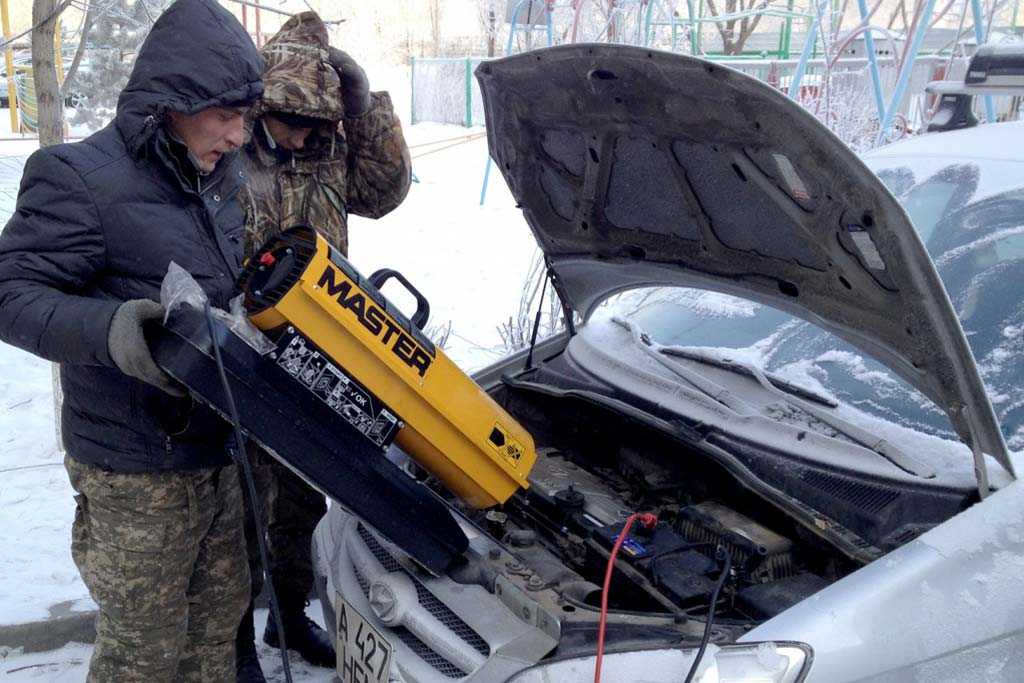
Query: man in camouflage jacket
(320, 145)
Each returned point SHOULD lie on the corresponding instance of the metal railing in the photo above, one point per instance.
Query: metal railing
(444, 90)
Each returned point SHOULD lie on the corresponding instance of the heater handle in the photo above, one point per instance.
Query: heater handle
(419, 318)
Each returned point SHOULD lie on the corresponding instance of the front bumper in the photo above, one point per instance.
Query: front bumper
(440, 630)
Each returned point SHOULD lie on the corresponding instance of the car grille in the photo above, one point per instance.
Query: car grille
(419, 648)
(385, 558)
(426, 599)
(429, 602)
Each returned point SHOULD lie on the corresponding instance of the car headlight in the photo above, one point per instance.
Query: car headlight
(747, 663)
(757, 663)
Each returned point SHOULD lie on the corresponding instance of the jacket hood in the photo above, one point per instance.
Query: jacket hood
(196, 56)
(299, 78)
(636, 168)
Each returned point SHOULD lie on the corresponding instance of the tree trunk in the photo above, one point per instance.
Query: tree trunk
(50, 106)
(611, 21)
(492, 30)
(434, 10)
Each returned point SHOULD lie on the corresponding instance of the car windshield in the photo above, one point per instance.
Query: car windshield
(970, 216)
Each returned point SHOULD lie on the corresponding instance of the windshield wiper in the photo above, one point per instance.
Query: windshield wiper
(746, 369)
(790, 394)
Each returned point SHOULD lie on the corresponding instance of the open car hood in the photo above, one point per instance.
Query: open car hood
(635, 168)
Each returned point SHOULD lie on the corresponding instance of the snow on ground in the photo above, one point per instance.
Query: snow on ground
(70, 664)
(270, 658)
(36, 508)
(469, 261)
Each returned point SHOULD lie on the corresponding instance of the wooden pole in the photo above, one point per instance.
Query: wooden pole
(12, 95)
(49, 103)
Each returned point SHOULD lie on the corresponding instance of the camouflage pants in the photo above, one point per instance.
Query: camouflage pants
(162, 555)
(291, 511)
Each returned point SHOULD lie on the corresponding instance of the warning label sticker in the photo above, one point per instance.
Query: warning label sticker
(344, 395)
(505, 445)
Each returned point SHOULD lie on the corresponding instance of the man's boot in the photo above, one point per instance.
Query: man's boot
(301, 633)
(247, 662)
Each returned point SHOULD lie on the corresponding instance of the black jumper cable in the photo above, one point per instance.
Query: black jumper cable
(239, 456)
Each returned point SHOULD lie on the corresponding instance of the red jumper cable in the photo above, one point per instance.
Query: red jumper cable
(647, 520)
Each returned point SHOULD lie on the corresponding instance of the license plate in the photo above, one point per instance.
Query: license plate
(364, 654)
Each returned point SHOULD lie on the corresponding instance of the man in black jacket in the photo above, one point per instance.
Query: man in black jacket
(158, 528)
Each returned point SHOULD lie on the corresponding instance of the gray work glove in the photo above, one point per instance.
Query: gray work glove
(128, 348)
(355, 87)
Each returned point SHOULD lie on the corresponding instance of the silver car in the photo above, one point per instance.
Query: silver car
(762, 355)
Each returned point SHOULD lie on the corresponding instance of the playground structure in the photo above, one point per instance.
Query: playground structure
(818, 77)
(27, 108)
(811, 49)
(21, 90)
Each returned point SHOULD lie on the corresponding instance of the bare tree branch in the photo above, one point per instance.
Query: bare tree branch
(36, 24)
(69, 77)
(749, 31)
(733, 40)
(435, 12)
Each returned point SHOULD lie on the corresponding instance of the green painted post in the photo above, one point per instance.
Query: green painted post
(700, 15)
(649, 21)
(782, 36)
(694, 27)
(789, 30)
(469, 92)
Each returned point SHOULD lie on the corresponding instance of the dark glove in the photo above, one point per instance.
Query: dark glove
(128, 347)
(355, 87)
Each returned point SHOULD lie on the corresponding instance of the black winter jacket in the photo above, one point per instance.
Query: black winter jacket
(98, 222)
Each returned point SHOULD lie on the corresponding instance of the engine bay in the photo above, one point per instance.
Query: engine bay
(596, 466)
(678, 559)
(671, 567)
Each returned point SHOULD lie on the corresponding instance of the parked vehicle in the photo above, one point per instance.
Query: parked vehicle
(768, 362)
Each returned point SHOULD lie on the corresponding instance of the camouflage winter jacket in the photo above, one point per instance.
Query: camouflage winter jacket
(358, 165)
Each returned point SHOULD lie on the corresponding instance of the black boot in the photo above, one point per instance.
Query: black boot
(247, 663)
(301, 634)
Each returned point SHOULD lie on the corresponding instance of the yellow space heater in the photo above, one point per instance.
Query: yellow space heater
(337, 334)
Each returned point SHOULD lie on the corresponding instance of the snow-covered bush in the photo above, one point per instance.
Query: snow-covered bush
(118, 30)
